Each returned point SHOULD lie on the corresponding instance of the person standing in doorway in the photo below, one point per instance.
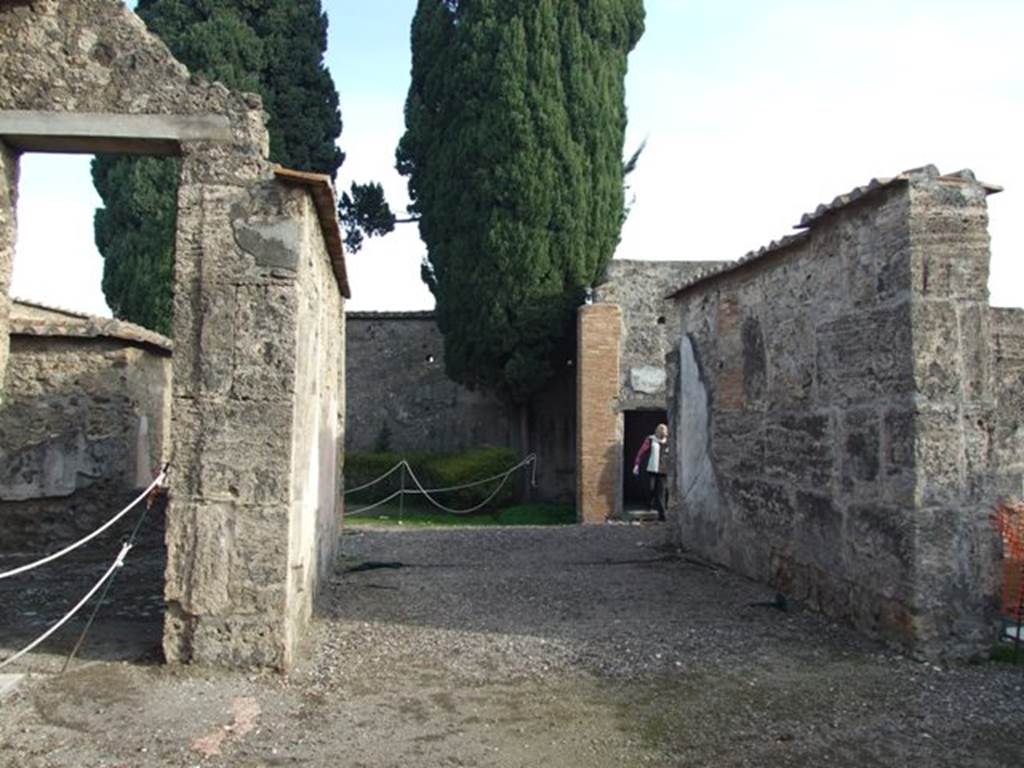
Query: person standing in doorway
(653, 459)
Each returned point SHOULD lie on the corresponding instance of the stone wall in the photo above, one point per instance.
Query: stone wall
(318, 431)
(1007, 327)
(86, 76)
(831, 405)
(8, 238)
(650, 323)
(631, 371)
(259, 385)
(84, 426)
(552, 416)
(395, 379)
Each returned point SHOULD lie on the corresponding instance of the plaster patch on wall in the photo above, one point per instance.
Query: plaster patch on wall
(647, 379)
(694, 471)
(275, 244)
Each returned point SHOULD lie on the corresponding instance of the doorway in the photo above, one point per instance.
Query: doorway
(637, 426)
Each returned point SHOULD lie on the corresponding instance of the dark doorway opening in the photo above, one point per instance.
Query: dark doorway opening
(638, 425)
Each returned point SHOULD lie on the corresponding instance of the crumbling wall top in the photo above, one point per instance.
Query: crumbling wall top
(32, 319)
(96, 56)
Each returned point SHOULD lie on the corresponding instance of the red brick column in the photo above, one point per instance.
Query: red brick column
(599, 424)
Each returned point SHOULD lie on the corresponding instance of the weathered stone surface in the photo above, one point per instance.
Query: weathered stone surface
(647, 379)
(858, 417)
(861, 452)
(799, 449)
(695, 476)
(396, 382)
(818, 529)
(878, 547)
(1007, 437)
(84, 425)
(863, 356)
(650, 324)
(8, 238)
(46, 131)
(258, 394)
(96, 56)
(262, 438)
(937, 349)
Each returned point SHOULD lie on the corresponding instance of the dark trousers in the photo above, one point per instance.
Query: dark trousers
(656, 488)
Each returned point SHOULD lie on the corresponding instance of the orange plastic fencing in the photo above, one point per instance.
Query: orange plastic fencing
(1009, 520)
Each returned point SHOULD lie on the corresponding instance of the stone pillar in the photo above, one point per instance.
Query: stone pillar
(955, 580)
(8, 236)
(599, 424)
(241, 248)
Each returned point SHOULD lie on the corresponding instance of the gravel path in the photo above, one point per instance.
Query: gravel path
(527, 647)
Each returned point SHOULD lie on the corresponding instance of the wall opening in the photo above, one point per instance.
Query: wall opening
(84, 427)
(637, 426)
(55, 259)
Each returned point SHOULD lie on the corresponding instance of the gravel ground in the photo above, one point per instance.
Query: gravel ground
(596, 646)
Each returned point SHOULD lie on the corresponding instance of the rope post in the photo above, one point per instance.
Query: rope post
(401, 498)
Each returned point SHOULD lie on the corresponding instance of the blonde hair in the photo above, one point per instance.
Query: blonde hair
(661, 430)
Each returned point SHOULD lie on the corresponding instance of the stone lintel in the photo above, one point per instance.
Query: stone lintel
(108, 133)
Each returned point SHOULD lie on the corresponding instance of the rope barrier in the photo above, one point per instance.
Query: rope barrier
(150, 502)
(118, 562)
(531, 459)
(451, 511)
(364, 486)
(426, 492)
(376, 504)
(86, 539)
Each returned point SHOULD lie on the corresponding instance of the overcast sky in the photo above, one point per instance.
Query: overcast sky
(754, 113)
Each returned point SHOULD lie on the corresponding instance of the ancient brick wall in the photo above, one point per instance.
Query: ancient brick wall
(599, 423)
(1007, 327)
(85, 425)
(831, 400)
(396, 379)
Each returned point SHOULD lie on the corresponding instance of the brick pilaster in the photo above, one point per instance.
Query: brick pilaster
(599, 435)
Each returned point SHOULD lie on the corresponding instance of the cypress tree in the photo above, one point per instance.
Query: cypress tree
(272, 47)
(515, 122)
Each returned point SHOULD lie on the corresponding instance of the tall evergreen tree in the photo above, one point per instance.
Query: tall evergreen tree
(515, 121)
(272, 47)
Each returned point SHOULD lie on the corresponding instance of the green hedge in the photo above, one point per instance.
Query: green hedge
(435, 471)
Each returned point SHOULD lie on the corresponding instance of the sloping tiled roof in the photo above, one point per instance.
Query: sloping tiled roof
(808, 220)
(427, 314)
(30, 318)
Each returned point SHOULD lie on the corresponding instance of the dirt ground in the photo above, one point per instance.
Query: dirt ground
(506, 647)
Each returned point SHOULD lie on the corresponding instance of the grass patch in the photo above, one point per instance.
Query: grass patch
(1003, 653)
(420, 515)
(435, 471)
